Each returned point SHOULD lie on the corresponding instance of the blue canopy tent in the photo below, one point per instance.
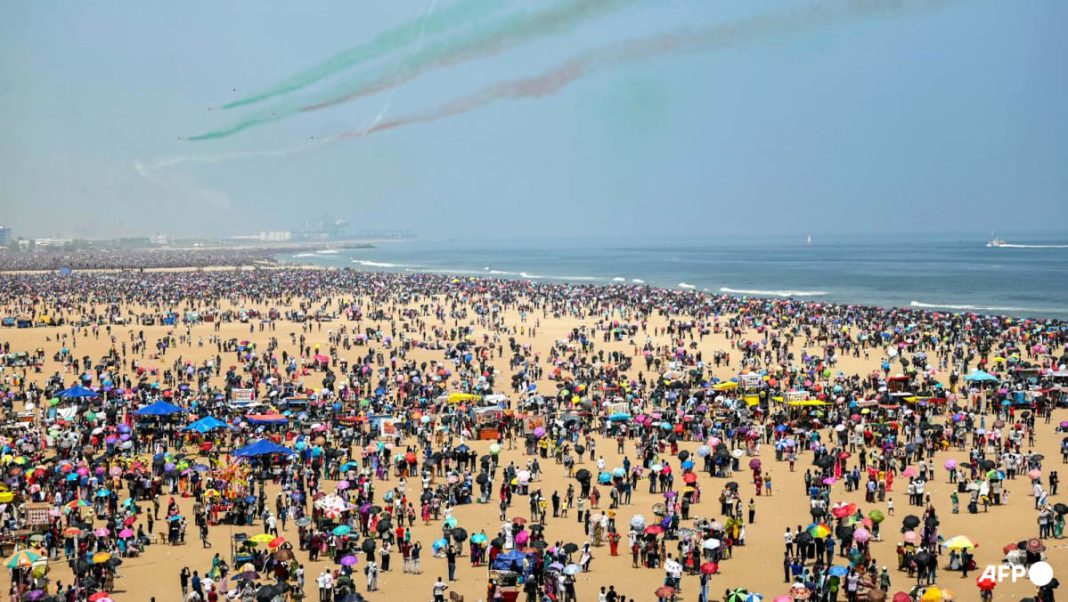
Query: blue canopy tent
(514, 561)
(77, 391)
(207, 424)
(159, 408)
(264, 419)
(981, 377)
(263, 447)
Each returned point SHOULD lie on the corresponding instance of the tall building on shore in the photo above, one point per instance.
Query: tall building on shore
(5, 236)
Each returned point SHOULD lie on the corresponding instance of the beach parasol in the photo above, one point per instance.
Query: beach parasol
(22, 558)
(959, 542)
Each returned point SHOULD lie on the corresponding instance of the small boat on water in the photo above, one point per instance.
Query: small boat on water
(996, 242)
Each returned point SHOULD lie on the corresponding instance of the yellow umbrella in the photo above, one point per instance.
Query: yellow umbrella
(932, 594)
(6, 497)
(262, 538)
(959, 542)
(101, 557)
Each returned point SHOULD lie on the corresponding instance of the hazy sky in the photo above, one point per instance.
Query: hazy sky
(935, 115)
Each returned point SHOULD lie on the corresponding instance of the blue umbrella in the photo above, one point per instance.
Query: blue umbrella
(838, 571)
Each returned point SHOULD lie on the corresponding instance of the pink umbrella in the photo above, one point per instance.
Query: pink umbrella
(342, 485)
(910, 537)
(1034, 474)
(950, 464)
(101, 532)
(522, 538)
(126, 533)
(909, 472)
(829, 481)
(861, 535)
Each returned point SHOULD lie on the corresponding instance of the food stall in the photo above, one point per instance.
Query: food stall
(510, 571)
(488, 423)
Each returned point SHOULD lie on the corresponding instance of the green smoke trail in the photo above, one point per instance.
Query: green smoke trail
(514, 31)
(720, 37)
(462, 13)
(505, 34)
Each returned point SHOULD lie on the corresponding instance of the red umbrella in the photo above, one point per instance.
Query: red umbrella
(842, 509)
(520, 520)
(985, 583)
(654, 530)
(689, 477)
(664, 591)
(901, 597)
(709, 568)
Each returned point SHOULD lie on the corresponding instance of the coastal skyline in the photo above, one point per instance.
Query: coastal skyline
(916, 116)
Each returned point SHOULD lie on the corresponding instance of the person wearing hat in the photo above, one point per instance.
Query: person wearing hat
(884, 580)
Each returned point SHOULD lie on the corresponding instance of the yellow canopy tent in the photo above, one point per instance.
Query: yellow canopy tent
(806, 403)
(460, 397)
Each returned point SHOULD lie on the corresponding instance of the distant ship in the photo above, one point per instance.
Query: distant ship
(996, 242)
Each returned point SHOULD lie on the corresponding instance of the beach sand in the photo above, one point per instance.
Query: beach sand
(757, 565)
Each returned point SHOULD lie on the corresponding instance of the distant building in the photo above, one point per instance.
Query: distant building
(5, 236)
(276, 236)
(52, 243)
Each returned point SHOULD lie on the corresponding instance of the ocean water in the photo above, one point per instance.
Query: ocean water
(945, 273)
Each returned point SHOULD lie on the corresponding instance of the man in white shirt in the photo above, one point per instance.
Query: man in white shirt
(439, 590)
(321, 582)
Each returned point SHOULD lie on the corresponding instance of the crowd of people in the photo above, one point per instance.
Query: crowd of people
(370, 410)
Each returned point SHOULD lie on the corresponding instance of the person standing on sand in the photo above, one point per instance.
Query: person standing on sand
(439, 590)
